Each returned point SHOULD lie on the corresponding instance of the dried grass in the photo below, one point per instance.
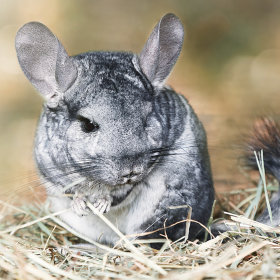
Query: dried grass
(34, 244)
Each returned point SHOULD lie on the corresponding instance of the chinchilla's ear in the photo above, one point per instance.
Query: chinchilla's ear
(44, 61)
(162, 49)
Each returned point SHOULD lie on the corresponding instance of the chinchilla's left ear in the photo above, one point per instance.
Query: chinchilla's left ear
(162, 49)
(44, 61)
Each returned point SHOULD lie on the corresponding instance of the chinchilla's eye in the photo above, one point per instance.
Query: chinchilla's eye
(88, 125)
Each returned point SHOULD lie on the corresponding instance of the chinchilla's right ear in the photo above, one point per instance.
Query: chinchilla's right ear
(162, 49)
(44, 61)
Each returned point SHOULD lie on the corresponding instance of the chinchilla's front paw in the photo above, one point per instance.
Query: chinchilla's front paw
(79, 206)
(101, 203)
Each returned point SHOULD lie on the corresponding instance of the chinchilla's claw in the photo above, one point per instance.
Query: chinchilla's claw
(102, 205)
(79, 206)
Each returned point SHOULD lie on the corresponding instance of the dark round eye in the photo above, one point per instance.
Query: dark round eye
(88, 125)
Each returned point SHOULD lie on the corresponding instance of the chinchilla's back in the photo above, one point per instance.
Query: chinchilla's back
(114, 136)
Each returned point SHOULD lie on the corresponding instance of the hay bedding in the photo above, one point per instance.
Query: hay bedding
(34, 244)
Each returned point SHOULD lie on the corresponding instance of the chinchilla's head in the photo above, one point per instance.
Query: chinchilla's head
(99, 116)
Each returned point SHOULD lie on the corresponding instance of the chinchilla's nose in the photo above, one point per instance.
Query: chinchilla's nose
(130, 176)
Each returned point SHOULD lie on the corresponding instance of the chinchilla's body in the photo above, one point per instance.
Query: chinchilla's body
(112, 134)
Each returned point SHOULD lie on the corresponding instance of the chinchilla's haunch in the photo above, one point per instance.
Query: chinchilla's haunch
(113, 134)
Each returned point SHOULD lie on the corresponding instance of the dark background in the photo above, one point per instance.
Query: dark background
(229, 69)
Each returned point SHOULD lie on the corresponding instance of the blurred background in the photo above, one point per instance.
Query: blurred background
(229, 69)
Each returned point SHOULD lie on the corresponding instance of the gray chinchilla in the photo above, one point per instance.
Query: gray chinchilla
(113, 134)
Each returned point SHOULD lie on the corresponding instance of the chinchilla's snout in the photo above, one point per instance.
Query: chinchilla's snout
(129, 170)
(130, 175)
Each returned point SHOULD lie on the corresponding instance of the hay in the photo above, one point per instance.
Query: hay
(35, 244)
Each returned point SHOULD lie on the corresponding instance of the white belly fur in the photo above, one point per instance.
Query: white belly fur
(127, 216)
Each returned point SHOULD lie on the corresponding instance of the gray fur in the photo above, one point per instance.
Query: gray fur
(149, 151)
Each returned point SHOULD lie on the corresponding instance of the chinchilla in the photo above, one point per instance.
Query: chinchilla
(111, 133)
(265, 136)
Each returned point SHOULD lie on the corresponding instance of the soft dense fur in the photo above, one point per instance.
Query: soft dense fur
(113, 134)
(265, 136)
